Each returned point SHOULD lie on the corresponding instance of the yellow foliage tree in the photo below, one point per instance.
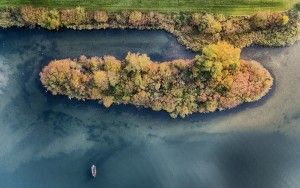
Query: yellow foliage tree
(138, 62)
(112, 64)
(101, 80)
(101, 16)
(50, 19)
(217, 62)
(135, 17)
(210, 25)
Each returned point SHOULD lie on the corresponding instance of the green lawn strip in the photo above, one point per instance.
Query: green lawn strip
(235, 7)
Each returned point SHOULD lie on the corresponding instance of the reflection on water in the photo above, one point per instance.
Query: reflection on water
(51, 141)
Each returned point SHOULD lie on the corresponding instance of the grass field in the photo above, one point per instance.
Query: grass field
(216, 6)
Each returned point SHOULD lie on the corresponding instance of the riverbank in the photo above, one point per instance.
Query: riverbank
(192, 29)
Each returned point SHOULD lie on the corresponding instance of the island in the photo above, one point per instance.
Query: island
(215, 80)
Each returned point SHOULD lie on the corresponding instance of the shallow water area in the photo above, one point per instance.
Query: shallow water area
(51, 141)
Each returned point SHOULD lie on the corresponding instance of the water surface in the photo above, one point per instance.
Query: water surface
(51, 141)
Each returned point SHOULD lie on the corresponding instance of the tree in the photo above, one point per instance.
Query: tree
(50, 19)
(135, 17)
(64, 76)
(216, 62)
(111, 64)
(141, 98)
(196, 19)
(31, 15)
(138, 63)
(209, 24)
(264, 20)
(75, 16)
(101, 80)
(101, 16)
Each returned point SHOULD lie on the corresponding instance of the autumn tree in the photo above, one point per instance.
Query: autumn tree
(111, 64)
(209, 24)
(43, 17)
(135, 17)
(51, 19)
(196, 19)
(75, 16)
(100, 16)
(31, 15)
(217, 62)
(101, 80)
(264, 20)
(64, 76)
(113, 68)
(137, 63)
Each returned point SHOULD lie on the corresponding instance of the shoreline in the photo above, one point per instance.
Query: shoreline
(193, 30)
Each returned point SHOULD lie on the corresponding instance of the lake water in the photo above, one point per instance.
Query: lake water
(51, 142)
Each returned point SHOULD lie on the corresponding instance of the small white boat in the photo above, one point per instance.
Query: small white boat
(94, 171)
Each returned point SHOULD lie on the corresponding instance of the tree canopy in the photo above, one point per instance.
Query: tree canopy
(217, 79)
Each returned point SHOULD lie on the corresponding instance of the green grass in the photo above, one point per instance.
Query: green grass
(216, 6)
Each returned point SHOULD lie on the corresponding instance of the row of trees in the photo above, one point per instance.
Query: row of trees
(194, 30)
(54, 19)
(179, 87)
(206, 23)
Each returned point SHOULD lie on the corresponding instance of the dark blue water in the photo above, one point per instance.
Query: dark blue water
(51, 141)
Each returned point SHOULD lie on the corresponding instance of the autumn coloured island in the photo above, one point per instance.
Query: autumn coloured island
(216, 80)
